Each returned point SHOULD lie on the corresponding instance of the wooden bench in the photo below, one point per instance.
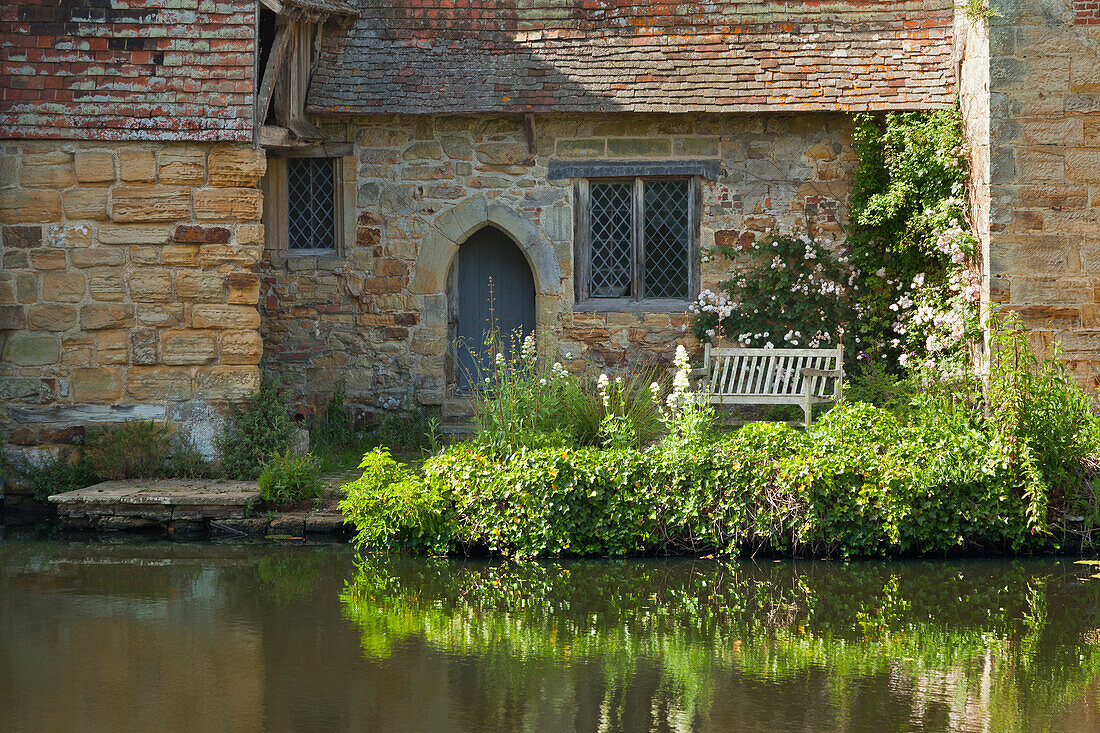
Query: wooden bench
(804, 377)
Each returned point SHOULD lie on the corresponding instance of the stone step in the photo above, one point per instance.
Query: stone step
(458, 409)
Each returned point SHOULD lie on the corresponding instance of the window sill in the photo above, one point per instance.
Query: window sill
(305, 260)
(627, 305)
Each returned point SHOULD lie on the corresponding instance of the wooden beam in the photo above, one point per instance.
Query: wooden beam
(270, 136)
(267, 84)
(273, 5)
(529, 133)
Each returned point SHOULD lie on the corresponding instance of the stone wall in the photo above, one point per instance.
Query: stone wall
(376, 316)
(127, 288)
(1043, 248)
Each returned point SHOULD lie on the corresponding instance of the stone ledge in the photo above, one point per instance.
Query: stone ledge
(170, 492)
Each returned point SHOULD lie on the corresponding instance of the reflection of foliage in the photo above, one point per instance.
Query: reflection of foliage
(991, 641)
(286, 576)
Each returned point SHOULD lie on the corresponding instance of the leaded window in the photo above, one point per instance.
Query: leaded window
(311, 203)
(636, 239)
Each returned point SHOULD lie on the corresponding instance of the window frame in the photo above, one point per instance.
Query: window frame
(582, 246)
(276, 210)
(334, 165)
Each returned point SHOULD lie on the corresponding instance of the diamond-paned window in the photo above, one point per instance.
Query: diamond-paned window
(311, 203)
(667, 240)
(638, 240)
(611, 234)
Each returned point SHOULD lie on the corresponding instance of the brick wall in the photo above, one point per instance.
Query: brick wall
(1043, 249)
(127, 69)
(127, 288)
(372, 317)
(1086, 12)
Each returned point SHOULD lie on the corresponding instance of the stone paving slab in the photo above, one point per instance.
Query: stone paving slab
(167, 492)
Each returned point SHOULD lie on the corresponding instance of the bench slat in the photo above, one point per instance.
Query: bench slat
(732, 366)
(746, 371)
(765, 352)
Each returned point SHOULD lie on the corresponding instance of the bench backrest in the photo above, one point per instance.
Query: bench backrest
(733, 371)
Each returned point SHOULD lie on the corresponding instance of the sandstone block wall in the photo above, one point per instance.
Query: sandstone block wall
(375, 317)
(1043, 244)
(127, 288)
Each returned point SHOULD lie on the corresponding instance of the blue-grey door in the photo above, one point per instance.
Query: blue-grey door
(495, 295)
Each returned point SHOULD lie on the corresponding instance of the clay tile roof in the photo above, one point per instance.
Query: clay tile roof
(334, 7)
(441, 56)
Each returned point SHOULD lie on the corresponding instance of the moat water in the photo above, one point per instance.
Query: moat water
(212, 637)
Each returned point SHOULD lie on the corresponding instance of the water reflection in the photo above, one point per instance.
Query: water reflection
(978, 646)
(208, 637)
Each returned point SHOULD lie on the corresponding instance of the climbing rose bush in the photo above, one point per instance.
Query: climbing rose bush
(901, 289)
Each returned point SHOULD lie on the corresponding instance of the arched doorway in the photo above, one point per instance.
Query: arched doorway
(492, 291)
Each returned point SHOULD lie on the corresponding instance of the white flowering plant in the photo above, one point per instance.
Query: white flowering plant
(785, 290)
(686, 413)
(901, 290)
(521, 397)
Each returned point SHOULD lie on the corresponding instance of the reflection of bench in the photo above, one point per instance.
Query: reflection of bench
(804, 377)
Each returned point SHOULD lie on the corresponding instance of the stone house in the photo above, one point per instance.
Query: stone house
(352, 190)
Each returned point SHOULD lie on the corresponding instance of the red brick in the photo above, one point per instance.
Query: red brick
(201, 235)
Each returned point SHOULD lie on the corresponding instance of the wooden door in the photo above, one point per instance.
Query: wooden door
(493, 295)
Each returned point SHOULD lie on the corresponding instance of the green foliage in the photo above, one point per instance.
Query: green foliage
(1044, 418)
(955, 468)
(785, 291)
(137, 449)
(391, 507)
(409, 433)
(254, 432)
(980, 10)
(332, 427)
(878, 385)
(526, 403)
(903, 284)
(909, 161)
(56, 476)
(288, 479)
(522, 403)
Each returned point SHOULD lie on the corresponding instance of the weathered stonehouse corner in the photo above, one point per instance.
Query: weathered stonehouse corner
(352, 190)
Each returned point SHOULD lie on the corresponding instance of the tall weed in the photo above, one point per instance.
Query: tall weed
(137, 449)
(1044, 417)
(255, 432)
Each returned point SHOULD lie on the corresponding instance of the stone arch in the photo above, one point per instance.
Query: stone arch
(438, 248)
(436, 255)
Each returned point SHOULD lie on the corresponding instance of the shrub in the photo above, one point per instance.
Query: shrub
(254, 432)
(903, 284)
(56, 476)
(138, 449)
(859, 483)
(632, 409)
(391, 507)
(288, 479)
(878, 385)
(1043, 417)
(522, 402)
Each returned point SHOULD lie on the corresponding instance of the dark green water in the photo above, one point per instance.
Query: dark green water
(206, 637)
